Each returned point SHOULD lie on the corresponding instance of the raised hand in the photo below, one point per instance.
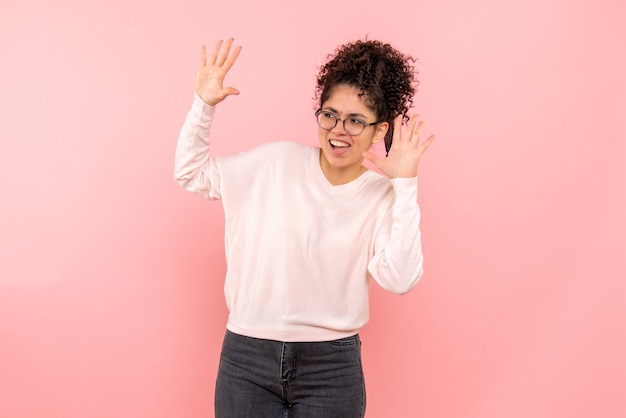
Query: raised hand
(211, 73)
(406, 150)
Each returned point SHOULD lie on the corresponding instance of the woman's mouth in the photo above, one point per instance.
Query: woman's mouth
(336, 144)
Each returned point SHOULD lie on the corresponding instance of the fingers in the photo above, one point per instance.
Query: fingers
(230, 91)
(397, 128)
(232, 58)
(221, 55)
(216, 50)
(413, 131)
(203, 56)
(408, 134)
(224, 51)
(417, 131)
(424, 145)
(368, 155)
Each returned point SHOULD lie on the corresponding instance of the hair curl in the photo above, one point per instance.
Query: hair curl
(385, 76)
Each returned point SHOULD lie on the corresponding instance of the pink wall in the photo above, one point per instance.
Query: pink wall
(111, 298)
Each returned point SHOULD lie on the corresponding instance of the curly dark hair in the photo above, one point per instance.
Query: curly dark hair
(385, 76)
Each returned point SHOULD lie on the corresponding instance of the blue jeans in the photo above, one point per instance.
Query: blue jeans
(272, 379)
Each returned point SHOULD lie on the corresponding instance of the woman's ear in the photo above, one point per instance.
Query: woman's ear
(381, 131)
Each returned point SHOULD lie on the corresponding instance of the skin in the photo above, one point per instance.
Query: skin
(344, 162)
(339, 165)
(213, 69)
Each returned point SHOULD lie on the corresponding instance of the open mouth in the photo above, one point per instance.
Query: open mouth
(336, 144)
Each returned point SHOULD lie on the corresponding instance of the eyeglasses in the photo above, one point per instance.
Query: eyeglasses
(352, 126)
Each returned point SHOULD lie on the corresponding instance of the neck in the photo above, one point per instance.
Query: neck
(342, 175)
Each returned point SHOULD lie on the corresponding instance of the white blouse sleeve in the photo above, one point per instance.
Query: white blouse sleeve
(194, 168)
(397, 264)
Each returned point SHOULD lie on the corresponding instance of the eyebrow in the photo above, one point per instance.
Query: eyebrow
(349, 114)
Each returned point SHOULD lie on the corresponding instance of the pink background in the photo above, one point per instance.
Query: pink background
(111, 276)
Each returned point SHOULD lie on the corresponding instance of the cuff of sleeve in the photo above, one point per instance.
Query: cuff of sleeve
(406, 190)
(201, 112)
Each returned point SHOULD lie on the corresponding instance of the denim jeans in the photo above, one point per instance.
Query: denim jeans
(272, 379)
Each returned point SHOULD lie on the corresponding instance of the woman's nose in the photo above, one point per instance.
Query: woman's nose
(339, 129)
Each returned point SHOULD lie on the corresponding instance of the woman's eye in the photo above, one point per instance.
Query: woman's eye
(357, 122)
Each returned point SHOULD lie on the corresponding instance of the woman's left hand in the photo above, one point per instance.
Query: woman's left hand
(406, 150)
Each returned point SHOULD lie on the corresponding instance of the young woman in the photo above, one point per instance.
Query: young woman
(307, 230)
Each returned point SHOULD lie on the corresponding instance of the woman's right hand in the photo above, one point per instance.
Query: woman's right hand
(211, 73)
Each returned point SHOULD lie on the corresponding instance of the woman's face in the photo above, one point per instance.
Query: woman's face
(341, 156)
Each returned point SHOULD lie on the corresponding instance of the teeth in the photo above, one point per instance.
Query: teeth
(339, 144)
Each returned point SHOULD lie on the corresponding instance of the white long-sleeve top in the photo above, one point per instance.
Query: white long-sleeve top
(301, 252)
